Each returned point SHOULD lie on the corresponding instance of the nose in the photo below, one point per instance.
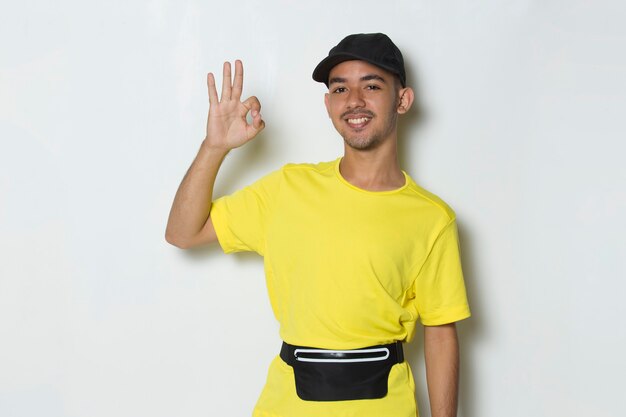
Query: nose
(355, 98)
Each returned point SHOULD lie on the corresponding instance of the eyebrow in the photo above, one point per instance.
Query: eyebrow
(368, 77)
(373, 77)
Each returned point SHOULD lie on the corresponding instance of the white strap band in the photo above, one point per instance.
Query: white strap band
(374, 359)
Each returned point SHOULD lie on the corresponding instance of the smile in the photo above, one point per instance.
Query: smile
(358, 122)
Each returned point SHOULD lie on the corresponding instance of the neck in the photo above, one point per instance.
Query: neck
(374, 169)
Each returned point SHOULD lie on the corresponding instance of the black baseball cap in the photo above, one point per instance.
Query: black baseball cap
(375, 48)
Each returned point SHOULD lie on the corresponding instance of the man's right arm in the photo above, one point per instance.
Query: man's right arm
(189, 224)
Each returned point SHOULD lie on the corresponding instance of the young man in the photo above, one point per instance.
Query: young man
(354, 250)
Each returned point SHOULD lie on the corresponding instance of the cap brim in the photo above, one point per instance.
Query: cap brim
(322, 71)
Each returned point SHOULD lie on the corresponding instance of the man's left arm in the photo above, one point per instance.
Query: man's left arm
(441, 352)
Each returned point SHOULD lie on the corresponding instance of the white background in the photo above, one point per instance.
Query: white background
(103, 107)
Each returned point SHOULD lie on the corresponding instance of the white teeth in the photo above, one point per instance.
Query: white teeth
(358, 121)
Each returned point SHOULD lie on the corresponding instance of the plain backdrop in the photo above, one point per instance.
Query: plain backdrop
(103, 107)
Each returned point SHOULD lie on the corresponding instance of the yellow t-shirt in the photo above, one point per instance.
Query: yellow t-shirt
(345, 268)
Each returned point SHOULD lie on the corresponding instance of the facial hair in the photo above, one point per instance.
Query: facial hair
(361, 142)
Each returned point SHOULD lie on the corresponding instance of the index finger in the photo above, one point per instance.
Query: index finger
(238, 82)
(210, 81)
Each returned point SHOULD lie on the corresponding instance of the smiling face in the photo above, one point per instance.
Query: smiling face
(363, 102)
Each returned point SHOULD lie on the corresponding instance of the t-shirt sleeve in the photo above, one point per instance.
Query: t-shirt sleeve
(241, 219)
(439, 288)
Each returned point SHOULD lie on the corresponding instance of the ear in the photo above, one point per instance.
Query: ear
(326, 97)
(406, 99)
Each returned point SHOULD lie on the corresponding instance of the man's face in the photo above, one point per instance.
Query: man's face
(363, 103)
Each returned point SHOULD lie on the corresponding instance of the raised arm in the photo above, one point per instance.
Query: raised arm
(189, 224)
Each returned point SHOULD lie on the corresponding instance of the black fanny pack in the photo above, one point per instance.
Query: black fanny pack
(337, 375)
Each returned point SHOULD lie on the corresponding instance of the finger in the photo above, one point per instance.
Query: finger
(210, 80)
(257, 121)
(238, 82)
(226, 82)
(257, 125)
(252, 103)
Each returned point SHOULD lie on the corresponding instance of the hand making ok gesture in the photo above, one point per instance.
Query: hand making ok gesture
(227, 127)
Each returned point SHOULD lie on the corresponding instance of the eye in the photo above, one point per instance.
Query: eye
(372, 87)
(339, 90)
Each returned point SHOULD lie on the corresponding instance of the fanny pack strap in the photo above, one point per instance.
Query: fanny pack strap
(291, 354)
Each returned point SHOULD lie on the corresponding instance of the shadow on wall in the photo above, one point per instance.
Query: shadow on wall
(469, 330)
(410, 123)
